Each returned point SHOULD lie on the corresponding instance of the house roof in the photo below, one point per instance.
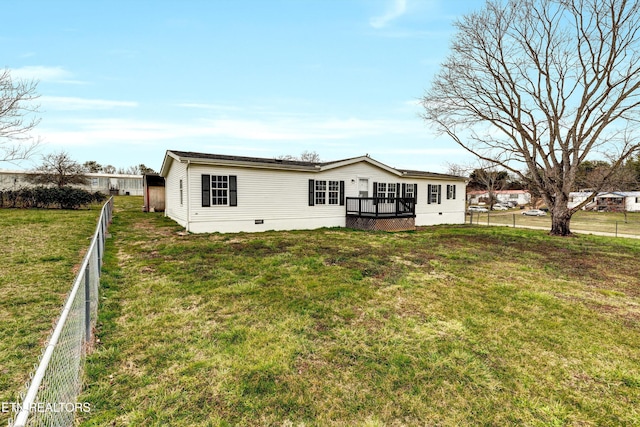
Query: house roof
(273, 163)
(478, 192)
(606, 193)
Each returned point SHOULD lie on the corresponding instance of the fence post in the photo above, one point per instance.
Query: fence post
(616, 228)
(87, 304)
(488, 215)
(99, 246)
(514, 220)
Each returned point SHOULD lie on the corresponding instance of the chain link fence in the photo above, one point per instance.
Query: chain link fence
(50, 399)
(612, 224)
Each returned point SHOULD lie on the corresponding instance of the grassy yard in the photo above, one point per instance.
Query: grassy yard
(39, 250)
(446, 326)
(608, 222)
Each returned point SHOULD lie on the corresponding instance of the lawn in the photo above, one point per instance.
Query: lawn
(451, 325)
(608, 222)
(40, 250)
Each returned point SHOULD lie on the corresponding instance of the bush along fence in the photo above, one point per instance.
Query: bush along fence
(620, 225)
(49, 197)
(50, 399)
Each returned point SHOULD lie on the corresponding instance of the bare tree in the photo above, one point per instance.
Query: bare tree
(484, 176)
(92, 166)
(16, 118)
(490, 179)
(59, 169)
(306, 156)
(537, 85)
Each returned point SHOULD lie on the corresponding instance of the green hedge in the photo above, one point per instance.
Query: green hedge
(49, 197)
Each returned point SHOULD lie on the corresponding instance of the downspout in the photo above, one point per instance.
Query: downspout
(188, 198)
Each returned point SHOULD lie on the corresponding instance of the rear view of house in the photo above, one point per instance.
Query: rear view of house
(220, 193)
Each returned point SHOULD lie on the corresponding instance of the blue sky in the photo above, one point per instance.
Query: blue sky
(123, 81)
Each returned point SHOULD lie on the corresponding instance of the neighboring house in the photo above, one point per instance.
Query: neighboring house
(120, 184)
(521, 197)
(220, 193)
(610, 201)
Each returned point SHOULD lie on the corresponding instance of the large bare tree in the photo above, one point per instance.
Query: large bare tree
(17, 118)
(537, 85)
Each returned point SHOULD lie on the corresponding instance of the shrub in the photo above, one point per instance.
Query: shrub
(49, 197)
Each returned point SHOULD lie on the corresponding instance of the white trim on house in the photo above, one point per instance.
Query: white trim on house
(274, 194)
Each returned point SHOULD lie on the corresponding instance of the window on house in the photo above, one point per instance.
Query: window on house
(381, 190)
(410, 190)
(321, 192)
(219, 190)
(637, 199)
(327, 192)
(386, 190)
(392, 190)
(433, 193)
(451, 191)
(181, 193)
(334, 192)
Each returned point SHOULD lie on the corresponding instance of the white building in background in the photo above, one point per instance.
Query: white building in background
(520, 197)
(610, 201)
(117, 184)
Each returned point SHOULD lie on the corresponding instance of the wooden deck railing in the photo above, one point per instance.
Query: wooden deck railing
(381, 207)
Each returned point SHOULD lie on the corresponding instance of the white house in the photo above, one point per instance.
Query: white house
(220, 193)
(520, 197)
(616, 201)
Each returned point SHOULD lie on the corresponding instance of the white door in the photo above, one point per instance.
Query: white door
(363, 187)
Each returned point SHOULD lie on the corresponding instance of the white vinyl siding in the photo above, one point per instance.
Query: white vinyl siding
(269, 199)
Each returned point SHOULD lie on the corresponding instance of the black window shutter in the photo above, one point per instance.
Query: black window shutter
(206, 190)
(448, 190)
(404, 190)
(415, 193)
(341, 193)
(454, 191)
(312, 195)
(439, 193)
(233, 190)
(375, 193)
(398, 190)
(429, 193)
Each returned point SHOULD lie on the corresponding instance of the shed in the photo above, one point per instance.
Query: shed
(153, 193)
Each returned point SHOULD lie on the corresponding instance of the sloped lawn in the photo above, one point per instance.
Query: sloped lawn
(445, 326)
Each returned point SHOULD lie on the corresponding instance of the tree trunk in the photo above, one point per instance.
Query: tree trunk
(560, 221)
